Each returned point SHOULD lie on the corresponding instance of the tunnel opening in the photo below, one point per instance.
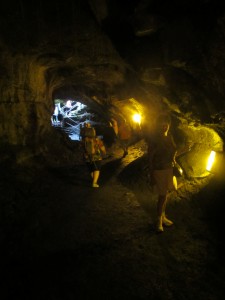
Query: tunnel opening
(68, 115)
(71, 115)
(79, 106)
(75, 105)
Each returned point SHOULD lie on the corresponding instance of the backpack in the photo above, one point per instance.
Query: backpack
(92, 149)
(89, 132)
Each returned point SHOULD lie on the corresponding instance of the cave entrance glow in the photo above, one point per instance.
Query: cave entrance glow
(70, 115)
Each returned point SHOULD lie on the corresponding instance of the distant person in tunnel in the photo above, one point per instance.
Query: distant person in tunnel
(115, 126)
(60, 118)
(124, 135)
(109, 137)
(161, 153)
(88, 130)
(94, 150)
(81, 132)
(54, 119)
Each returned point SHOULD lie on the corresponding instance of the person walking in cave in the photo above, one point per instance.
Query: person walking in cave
(94, 150)
(161, 154)
(115, 127)
(60, 119)
(88, 130)
(54, 119)
(109, 138)
(81, 133)
(124, 135)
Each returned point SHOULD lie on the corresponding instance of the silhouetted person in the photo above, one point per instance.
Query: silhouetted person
(60, 119)
(161, 153)
(109, 135)
(94, 150)
(124, 135)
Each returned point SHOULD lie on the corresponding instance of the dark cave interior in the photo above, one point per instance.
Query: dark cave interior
(110, 60)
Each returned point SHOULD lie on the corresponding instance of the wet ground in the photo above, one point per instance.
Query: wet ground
(62, 239)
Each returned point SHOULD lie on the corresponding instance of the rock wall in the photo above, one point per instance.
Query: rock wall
(41, 53)
(173, 60)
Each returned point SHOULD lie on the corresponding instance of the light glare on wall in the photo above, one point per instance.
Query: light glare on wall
(211, 160)
(137, 118)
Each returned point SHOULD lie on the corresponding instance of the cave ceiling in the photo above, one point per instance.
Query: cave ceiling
(162, 54)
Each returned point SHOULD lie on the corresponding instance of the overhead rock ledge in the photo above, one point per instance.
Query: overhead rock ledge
(69, 53)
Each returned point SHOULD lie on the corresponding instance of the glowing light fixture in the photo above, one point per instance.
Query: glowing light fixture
(137, 118)
(211, 160)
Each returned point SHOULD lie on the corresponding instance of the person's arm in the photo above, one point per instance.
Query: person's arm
(102, 147)
(184, 149)
(103, 150)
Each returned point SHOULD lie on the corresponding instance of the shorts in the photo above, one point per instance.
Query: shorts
(94, 165)
(164, 181)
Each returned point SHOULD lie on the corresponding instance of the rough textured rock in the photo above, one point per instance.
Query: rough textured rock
(164, 56)
(60, 239)
(38, 61)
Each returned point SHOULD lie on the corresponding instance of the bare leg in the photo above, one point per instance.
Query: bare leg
(95, 178)
(165, 220)
(160, 205)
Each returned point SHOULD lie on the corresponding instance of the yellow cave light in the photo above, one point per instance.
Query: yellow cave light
(211, 160)
(137, 118)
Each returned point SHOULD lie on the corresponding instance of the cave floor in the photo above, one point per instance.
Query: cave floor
(62, 239)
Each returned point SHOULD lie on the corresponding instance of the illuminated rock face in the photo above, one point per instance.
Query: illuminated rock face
(40, 58)
(160, 59)
(203, 140)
